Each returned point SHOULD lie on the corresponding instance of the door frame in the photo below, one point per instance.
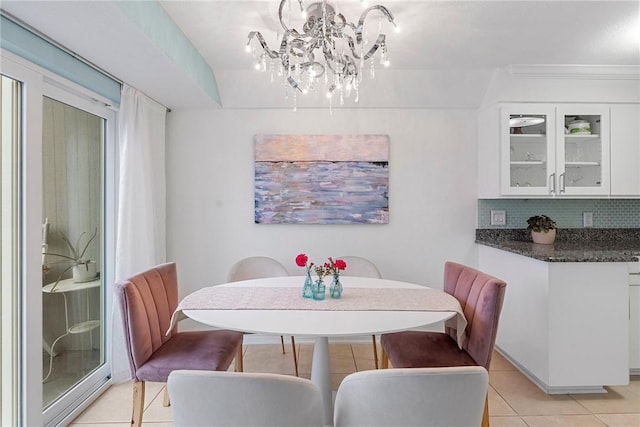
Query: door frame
(38, 82)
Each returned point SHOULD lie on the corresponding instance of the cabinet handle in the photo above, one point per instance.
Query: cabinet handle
(552, 183)
(562, 186)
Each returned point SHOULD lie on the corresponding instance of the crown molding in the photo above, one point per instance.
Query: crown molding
(599, 72)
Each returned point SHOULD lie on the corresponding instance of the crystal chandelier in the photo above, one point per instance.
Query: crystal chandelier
(327, 55)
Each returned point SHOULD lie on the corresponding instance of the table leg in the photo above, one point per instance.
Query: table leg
(321, 376)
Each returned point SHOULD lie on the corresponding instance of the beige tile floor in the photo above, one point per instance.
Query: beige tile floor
(513, 399)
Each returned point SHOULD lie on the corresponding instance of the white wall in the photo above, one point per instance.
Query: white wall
(432, 195)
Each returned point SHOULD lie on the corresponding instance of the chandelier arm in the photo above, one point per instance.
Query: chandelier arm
(284, 26)
(380, 41)
(287, 66)
(341, 25)
(378, 7)
(282, 54)
(305, 47)
(343, 60)
(349, 24)
(272, 53)
(309, 64)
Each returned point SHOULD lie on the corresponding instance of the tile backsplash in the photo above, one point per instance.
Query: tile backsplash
(607, 213)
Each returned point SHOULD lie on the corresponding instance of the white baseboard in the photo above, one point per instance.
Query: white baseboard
(547, 388)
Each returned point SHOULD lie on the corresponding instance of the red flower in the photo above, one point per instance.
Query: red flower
(301, 260)
(334, 267)
(340, 264)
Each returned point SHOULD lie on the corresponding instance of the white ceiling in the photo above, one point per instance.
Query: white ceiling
(444, 56)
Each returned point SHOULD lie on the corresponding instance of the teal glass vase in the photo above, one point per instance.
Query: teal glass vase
(335, 289)
(319, 289)
(307, 289)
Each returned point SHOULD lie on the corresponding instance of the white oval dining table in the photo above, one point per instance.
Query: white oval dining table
(319, 324)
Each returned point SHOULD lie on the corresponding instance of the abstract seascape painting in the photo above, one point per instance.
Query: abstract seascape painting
(321, 179)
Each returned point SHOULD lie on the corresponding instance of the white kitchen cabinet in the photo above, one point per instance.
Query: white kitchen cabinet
(565, 325)
(625, 150)
(634, 318)
(488, 174)
(527, 152)
(542, 155)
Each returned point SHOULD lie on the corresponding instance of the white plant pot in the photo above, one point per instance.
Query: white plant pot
(544, 238)
(85, 272)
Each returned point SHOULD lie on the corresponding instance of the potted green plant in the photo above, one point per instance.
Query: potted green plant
(83, 269)
(543, 229)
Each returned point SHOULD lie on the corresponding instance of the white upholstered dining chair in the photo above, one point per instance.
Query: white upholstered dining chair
(362, 267)
(412, 397)
(258, 267)
(239, 399)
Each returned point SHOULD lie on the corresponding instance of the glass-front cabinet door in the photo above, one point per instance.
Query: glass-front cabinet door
(554, 150)
(583, 150)
(528, 154)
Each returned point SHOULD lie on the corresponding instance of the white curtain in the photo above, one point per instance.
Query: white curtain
(141, 239)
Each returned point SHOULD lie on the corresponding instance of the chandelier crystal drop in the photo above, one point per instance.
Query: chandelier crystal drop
(328, 54)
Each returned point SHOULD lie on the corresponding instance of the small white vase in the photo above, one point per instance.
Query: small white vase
(544, 238)
(84, 272)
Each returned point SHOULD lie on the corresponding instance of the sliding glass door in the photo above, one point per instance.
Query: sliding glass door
(61, 221)
(78, 138)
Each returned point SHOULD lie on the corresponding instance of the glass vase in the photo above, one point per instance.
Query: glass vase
(335, 289)
(307, 289)
(319, 289)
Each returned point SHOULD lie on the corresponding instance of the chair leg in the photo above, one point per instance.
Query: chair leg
(239, 360)
(295, 355)
(375, 350)
(282, 343)
(485, 415)
(138, 403)
(167, 400)
(384, 359)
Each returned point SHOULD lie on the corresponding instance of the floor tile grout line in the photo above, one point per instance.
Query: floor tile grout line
(154, 398)
(601, 420)
(504, 400)
(580, 403)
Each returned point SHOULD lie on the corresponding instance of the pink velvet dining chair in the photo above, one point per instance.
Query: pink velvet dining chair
(147, 301)
(481, 297)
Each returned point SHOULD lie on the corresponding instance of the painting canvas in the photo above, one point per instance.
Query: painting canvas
(322, 179)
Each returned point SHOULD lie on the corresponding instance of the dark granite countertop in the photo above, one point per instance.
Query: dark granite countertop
(571, 245)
